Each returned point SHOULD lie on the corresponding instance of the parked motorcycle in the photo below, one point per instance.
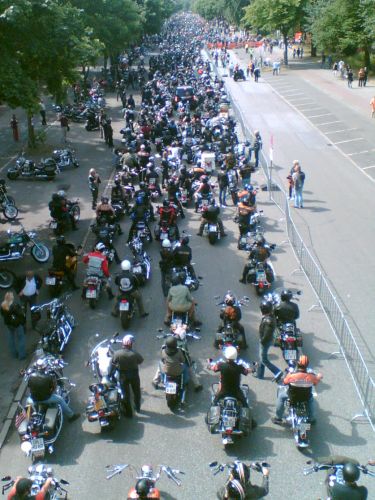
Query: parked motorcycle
(41, 424)
(146, 477)
(56, 279)
(23, 168)
(57, 327)
(238, 477)
(228, 417)
(186, 277)
(290, 341)
(59, 226)
(17, 243)
(8, 205)
(39, 474)
(104, 404)
(92, 122)
(141, 264)
(7, 279)
(65, 158)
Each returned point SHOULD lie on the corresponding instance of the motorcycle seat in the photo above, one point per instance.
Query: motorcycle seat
(50, 418)
(299, 393)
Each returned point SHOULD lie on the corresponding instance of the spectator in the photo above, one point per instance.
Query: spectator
(94, 181)
(14, 320)
(361, 77)
(42, 111)
(64, 123)
(298, 181)
(366, 76)
(350, 77)
(256, 74)
(14, 127)
(372, 104)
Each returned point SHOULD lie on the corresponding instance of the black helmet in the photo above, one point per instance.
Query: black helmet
(55, 197)
(286, 295)
(105, 199)
(171, 345)
(350, 472)
(142, 488)
(265, 307)
(176, 279)
(166, 203)
(117, 181)
(259, 240)
(142, 185)
(185, 240)
(205, 179)
(235, 489)
(60, 239)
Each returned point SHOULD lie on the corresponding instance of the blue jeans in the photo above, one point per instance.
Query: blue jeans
(55, 399)
(283, 396)
(298, 200)
(16, 341)
(223, 195)
(265, 362)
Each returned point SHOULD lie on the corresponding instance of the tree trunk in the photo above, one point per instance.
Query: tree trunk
(30, 131)
(285, 38)
(367, 61)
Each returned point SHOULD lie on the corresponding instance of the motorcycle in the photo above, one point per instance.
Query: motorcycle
(92, 287)
(228, 417)
(59, 226)
(40, 425)
(8, 205)
(261, 276)
(184, 273)
(46, 170)
(39, 474)
(65, 158)
(92, 122)
(58, 326)
(290, 341)
(238, 476)
(147, 474)
(248, 232)
(334, 474)
(104, 405)
(212, 231)
(17, 243)
(154, 193)
(142, 232)
(164, 231)
(105, 234)
(141, 265)
(125, 304)
(56, 279)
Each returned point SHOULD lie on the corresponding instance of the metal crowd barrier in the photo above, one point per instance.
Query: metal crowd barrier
(348, 347)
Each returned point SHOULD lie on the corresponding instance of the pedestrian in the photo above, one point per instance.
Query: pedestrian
(14, 127)
(94, 181)
(256, 74)
(334, 68)
(361, 77)
(102, 121)
(290, 180)
(365, 76)
(298, 181)
(298, 52)
(372, 104)
(28, 287)
(109, 133)
(223, 182)
(266, 332)
(323, 62)
(257, 146)
(64, 122)
(246, 47)
(248, 69)
(294, 53)
(14, 320)
(42, 111)
(350, 77)
(301, 52)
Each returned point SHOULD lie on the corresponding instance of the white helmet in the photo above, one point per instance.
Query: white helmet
(61, 193)
(166, 243)
(100, 247)
(128, 340)
(230, 353)
(126, 265)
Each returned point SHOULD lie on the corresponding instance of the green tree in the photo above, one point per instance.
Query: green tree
(271, 15)
(155, 12)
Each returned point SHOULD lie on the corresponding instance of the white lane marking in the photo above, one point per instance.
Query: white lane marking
(317, 116)
(342, 130)
(293, 92)
(327, 123)
(361, 152)
(307, 109)
(371, 166)
(351, 140)
(302, 99)
(315, 126)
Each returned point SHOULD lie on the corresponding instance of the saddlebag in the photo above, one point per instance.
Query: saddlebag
(245, 420)
(50, 419)
(213, 415)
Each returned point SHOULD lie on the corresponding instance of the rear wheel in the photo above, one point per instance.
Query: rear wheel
(6, 279)
(76, 212)
(40, 252)
(172, 401)
(125, 319)
(212, 237)
(11, 201)
(12, 175)
(10, 212)
(92, 303)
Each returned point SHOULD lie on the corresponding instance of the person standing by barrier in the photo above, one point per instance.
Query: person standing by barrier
(298, 180)
(257, 146)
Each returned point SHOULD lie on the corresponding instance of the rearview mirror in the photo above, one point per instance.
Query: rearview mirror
(213, 464)
(6, 478)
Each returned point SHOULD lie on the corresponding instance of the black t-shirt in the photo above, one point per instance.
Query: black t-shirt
(230, 376)
(211, 214)
(60, 252)
(126, 281)
(348, 492)
(41, 386)
(182, 255)
(287, 311)
(127, 361)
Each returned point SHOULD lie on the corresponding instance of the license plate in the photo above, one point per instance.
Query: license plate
(91, 294)
(261, 276)
(99, 404)
(212, 228)
(304, 427)
(171, 388)
(290, 354)
(124, 306)
(37, 446)
(53, 225)
(50, 280)
(163, 236)
(243, 240)
(204, 203)
(230, 422)
(152, 182)
(137, 269)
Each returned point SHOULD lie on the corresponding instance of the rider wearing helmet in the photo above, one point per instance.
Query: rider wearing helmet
(139, 213)
(231, 314)
(287, 311)
(166, 254)
(266, 335)
(128, 284)
(203, 191)
(105, 211)
(118, 194)
(168, 216)
(59, 209)
(301, 377)
(173, 190)
(182, 256)
(259, 253)
(211, 216)
(64, 257)
(179, 299)
(230, 376)
(127, 361)
(239, 485)
(97, 264)
(143, 488)
(152, 177)
(246, 208)
(172, 361)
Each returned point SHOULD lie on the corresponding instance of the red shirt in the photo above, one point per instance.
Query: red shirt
(99, 255)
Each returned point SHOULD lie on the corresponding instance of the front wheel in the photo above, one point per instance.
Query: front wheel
(212, 238)
(92, 303)
(40, 252)
(10, 212)
(12, 175)
(76, 212)
(75, 164)
(172, 401)
(125, 319)
(6, 279)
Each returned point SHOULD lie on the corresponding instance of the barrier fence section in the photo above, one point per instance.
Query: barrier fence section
(348, 348)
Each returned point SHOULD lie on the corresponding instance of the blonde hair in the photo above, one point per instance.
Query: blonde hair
(295, 162)
(8, 301)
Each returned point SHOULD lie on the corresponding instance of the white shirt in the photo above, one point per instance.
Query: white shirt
(30, 288)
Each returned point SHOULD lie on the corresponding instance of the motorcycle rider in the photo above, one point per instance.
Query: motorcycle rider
(230, 378)
(204, 190)
(266, 335)
(59, 210)
(258, 254)
(21, 489)
(349, 490)
(179, 299)
(105, 211)
(236, 485)
(118, 194)
(173, 195)
(300, 376)
(64, 255)
(168, 214)
(144, 194)
(128, 283)
(245, 210)
(151, 173)
(138, 213)
(287, 311)
(127, 361)
(211, 216)
(182, 256)
(232, 314)
(98, 265)
(42, 388)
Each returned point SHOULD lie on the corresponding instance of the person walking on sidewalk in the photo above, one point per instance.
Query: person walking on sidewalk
(14, 127)
(64, 122)
(14, 320)
(256, 74)
(298, 180)
(372, 104)
(361, 77)
(94, 181)
(266, 331)
(42, 111)
(350, 77)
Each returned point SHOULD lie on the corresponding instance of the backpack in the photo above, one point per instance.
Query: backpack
(299, 180)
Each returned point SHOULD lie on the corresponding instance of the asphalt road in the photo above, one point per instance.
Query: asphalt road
(157, 436)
